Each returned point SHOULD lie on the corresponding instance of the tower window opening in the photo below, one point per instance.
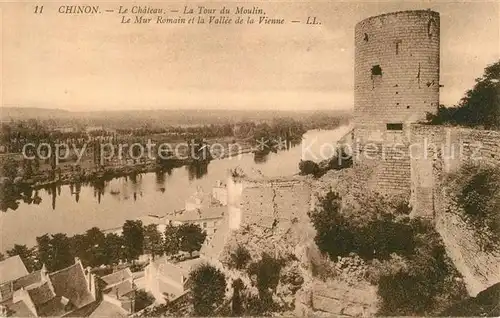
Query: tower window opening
(365, 37)
(376, 70)
(431, 26)
(396, 126)
(398, 46)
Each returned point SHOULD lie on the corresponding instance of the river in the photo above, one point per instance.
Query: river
(62, 210)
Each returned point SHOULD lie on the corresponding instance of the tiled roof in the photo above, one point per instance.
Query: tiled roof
(41, 294)
(25, 281)
(70, 282)
(168, 269)
(52, 308)
(199, 214)
(151, 219)
(173, 271)
(107, 309)
(12, 268)
(20, 309)
(169, 290)
(117, 277)
(121, 289)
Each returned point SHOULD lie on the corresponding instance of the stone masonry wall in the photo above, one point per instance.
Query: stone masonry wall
(446, 149)
(405, 47)
(389, 163)
(271, 202)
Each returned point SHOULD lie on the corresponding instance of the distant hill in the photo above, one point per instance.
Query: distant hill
(161, 118)
(23, 113)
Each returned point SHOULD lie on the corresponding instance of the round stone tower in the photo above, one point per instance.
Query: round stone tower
(396, 73)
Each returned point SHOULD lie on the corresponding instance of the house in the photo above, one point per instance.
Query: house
(93, 128)
(149, 219)
(219, 193)
(118, 289)
(207, 219)
(11, 269)
(69, 291)
(64, 129)
(167, 280)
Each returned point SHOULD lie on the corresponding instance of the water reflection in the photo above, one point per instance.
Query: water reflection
(260, 157)
(160, 178)
(131, 187)
(197, 170)
(12, 195)
(76, 207)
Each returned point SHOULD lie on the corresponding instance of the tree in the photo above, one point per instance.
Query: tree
(237, 301)
(133, 239)
(481, 104)
(2, 257)
(25, 254)
(9, 168)
(333, 235)
(208, 286)
(479, 107)
(171, 242)
(267, 270)
(94, 242)
(44, 250)
(80, 247)
(153, 241)
(113, 249)
(191, 237)
(55, 251)
(239, 258)
(61, 249)
(28, 169)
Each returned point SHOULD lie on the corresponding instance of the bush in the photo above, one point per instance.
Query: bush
(377, 236)
(208, 287)
(341, 161)
(239, 258)
(477, 192)
(259, 306)
(267, 270)
(308, 167)
(408, 258)
(143, 300)
(425, 283)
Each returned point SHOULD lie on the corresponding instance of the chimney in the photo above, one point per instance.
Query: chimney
(44, 273)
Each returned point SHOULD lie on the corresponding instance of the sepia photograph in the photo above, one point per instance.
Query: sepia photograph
(231, 158)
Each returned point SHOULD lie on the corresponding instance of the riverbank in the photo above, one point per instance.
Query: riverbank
(75, 207)
(70, 174)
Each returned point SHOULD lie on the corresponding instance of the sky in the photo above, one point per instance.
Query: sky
(85, 63)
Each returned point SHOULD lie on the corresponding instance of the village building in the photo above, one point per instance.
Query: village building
(69, 291)
(219, 193)
(167, 280)
(207, 219)
(64, 129)
(119, 290)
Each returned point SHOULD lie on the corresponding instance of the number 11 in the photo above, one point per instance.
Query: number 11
(38, 9)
